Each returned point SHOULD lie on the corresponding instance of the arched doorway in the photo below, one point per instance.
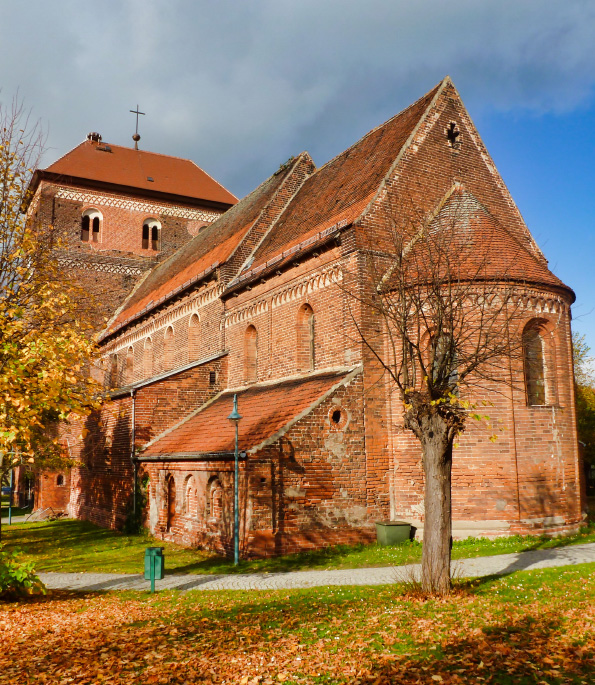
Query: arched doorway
(171, 502)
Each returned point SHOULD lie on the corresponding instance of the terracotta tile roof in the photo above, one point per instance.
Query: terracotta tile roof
(211, 247)
(124, 166)
(341, 189)
(265, 410)
(473, 246)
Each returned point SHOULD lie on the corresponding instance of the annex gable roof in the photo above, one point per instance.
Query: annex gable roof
(149, 172)
(268, 411)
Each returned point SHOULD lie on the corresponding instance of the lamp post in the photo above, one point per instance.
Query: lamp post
(235, 418)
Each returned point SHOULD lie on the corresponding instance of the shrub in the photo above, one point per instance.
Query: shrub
(17, 579)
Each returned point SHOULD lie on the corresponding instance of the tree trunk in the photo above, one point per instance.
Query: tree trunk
(437, 463)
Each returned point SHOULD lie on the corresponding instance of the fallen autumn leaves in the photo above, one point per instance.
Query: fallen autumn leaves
(531, 627)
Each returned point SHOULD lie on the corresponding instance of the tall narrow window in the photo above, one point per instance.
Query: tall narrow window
(148, 358)
(151, 234)
(534, 364)
(168, 348)
(194, 338)
(146, 232)
(190, 503)
(113, 371)
(171, 502)
(305, 338)
(214, 498)
(91, 225)
(250, 355)
(129, 372)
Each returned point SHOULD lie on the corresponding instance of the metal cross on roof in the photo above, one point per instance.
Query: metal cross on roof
(136, 137)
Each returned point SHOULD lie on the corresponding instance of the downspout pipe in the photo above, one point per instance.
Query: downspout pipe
(132, 453)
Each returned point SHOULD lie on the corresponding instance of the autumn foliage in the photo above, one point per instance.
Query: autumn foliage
(45, 342)
(534, 627)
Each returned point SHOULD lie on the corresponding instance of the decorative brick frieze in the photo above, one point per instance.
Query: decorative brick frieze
(135, 205)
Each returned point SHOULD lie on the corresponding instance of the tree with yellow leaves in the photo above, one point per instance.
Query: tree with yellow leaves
(46, 343)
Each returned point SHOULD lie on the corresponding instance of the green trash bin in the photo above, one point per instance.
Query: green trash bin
(392, 532)
(154, 563)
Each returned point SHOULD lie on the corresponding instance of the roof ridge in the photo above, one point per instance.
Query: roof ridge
(303, 155)
(376, 128)
(131, 149)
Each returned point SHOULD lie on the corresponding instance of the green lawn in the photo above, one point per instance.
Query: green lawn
(77, 546)
(531, 627)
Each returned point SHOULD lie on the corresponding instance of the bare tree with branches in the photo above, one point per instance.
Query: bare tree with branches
(441, 314)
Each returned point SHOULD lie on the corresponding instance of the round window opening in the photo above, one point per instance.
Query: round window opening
(336, 416)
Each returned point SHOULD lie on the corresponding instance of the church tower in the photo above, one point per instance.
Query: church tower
(121, 211)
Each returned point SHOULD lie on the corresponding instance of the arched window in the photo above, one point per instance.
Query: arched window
(214, 498)
(194, 337)
(91, 225)
(250, 355)
(171, 503)
(113, 371)
(538, 364)
(305, 338)
(168, 348)
(151, 234)
(60, 480)
(129, 369)
(148, 358)
(190, 504)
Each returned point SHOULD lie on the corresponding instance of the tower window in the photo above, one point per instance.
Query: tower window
(91, 226)
(151, 236)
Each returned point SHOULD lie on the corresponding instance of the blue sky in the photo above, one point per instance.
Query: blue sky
(241, 86)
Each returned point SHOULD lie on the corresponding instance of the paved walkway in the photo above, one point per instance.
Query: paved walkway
(464, 568)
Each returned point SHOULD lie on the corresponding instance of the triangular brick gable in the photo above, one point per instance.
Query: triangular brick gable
(340, 190)
(216, 244)
(427, 166)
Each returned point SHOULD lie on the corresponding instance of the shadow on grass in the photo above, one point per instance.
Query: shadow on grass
(204, 633)
(525, 650)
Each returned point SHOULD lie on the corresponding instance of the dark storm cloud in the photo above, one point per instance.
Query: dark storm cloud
(240, 86)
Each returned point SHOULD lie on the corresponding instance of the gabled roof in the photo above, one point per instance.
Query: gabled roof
(338, 192)
(211, 247)
(268, 410)
(149, 172)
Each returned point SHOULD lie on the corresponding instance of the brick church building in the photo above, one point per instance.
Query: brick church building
(210, 298)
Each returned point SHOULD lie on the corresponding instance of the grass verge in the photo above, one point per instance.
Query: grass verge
(529, 627)
(79, 546)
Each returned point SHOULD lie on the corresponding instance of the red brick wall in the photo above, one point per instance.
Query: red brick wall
(102, 487)
(303, 491)
(53, 490)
